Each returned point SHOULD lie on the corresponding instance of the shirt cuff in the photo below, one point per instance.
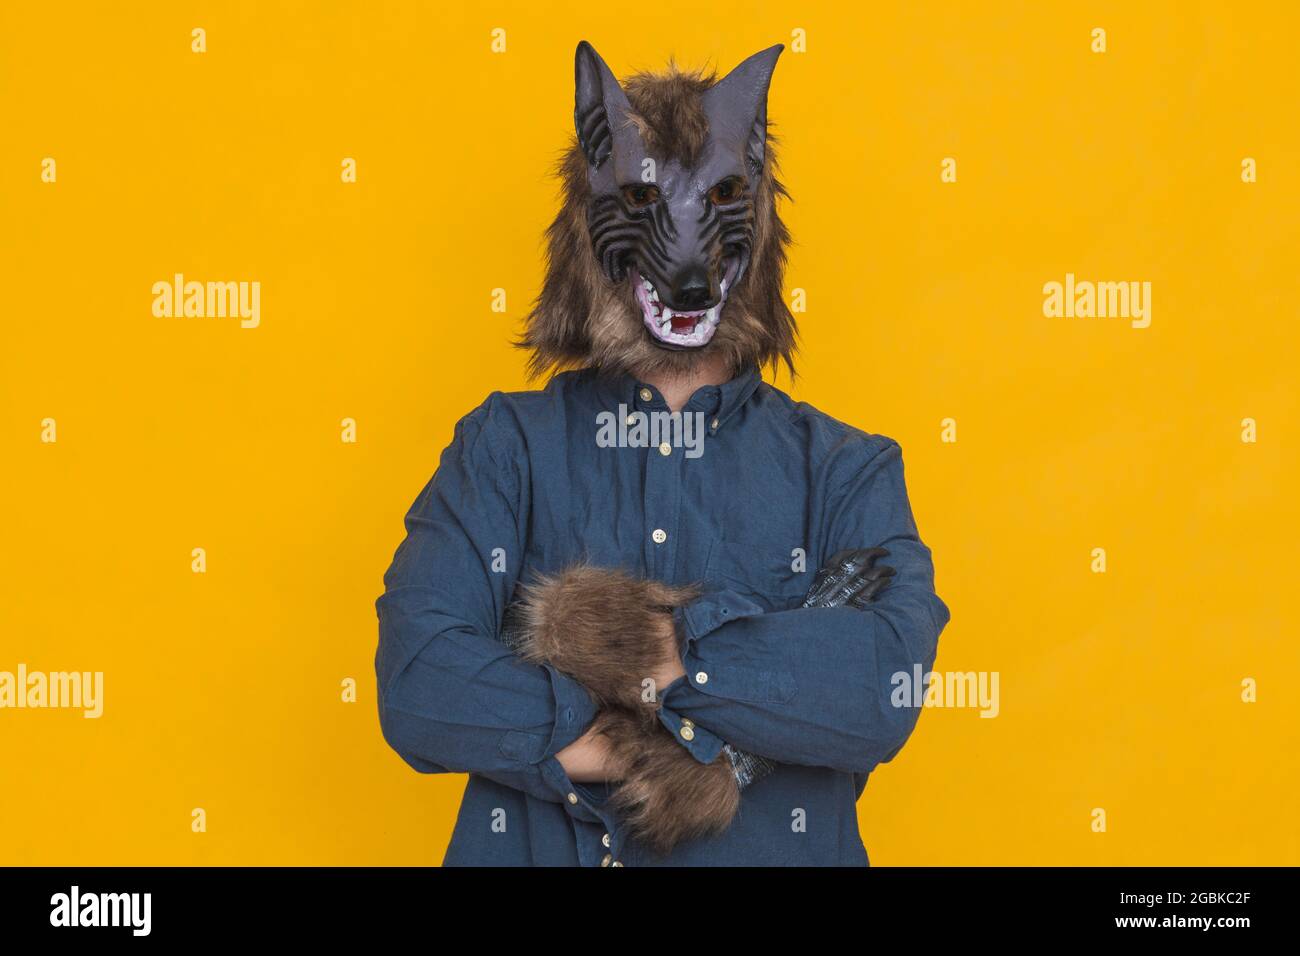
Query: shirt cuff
(574, 711)
(700, 743)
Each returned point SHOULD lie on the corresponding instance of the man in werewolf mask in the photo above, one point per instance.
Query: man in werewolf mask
(648, 608)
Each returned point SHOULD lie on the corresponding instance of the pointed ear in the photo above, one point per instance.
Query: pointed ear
(737, 105)
(600, 109)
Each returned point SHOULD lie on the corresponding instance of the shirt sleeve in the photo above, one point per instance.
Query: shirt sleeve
(452, 697)
(815, 686)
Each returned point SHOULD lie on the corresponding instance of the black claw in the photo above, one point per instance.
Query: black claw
(850, 578)
(874, 587)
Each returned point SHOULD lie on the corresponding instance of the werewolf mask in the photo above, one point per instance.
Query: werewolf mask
(668, 245)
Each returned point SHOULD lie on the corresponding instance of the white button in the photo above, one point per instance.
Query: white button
(687, 723)
(659, 535)
(605, 861)
(687, 733)
(573, 798)
(646, 394)
(714, 426)
(701, 678)
(605, 839)
(616, 863)
(631, 419)
(665, 449)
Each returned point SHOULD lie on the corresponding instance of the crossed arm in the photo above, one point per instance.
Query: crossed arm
(806, 686)
(850, 578)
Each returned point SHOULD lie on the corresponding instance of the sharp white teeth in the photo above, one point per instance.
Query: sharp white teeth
(659, 317)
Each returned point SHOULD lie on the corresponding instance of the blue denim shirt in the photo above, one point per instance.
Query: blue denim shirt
(773, 489)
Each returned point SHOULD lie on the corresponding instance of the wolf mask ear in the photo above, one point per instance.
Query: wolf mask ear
(600, 111)
(737, 106)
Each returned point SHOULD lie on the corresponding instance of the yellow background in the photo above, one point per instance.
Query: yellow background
(1119, 690)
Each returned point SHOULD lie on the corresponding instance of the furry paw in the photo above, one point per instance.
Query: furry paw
(608, 630)
(666, 795)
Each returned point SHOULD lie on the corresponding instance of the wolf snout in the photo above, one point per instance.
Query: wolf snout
(692, 289)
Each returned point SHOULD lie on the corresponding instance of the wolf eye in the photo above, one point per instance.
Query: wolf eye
(727, 191)
(639, 195)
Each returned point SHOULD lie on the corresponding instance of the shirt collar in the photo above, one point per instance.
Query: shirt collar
(735, 393)
(719, 402)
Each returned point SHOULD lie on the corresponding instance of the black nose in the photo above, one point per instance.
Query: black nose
(692, 289)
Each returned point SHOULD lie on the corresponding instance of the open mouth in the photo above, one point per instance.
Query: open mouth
(671, 327)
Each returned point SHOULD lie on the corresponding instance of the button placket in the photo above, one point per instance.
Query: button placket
(607, 850)
(663, 484)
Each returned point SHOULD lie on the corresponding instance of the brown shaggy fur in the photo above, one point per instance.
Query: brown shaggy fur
(605, 628)
(666, 795)
(582, 319)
